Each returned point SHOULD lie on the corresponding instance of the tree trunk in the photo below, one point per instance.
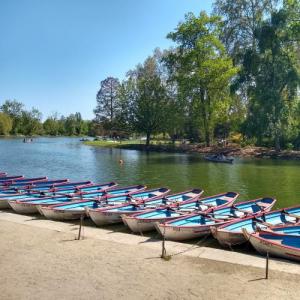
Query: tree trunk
(207, 137)
(205, 116)
(277, 141)
(148, 139)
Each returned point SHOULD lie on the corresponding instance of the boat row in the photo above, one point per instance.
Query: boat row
(178, 217)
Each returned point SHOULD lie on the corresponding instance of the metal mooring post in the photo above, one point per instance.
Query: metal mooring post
(80, 227)
(267, 266)
(163, 246)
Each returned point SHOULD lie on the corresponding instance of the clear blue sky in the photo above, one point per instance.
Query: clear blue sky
(54, 53)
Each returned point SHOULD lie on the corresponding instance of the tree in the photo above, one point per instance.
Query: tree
(14, 109)
(5, 124)
(240, 20)
(31, 122)
(52, 125)
(275, 67)
(126, 98)
(107, 102)
(202, 69)
(75, 125)
(149, 107)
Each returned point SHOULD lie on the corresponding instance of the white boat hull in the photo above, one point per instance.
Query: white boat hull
(22, 207)
(101, 218)
(56, 214)
(175, 233)
(138, 225)
(227, 238)
(143, 225)
(264, 247)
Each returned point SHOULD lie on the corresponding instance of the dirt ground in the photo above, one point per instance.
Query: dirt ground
(40, 263)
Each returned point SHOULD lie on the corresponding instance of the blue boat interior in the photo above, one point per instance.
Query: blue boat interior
(159, 213)
(287, 240)
(274, 218)
(50, 200)
(291, 230)
(16, 197)
(192, 221)
(221, 214)
(76, 206)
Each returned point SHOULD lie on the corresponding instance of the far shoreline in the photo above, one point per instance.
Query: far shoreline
(230, 150)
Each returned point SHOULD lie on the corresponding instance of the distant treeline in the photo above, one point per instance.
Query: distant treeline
(16, 120)
(232, 74)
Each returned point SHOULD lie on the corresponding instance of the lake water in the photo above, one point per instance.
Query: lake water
(69, 158)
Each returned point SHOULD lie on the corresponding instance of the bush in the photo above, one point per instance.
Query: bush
(5, 124)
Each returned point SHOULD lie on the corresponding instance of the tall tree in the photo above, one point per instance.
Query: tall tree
(149, 107)
(275, 67)
(107, 101)
(127, 96)
(202, 68)
(240, 20)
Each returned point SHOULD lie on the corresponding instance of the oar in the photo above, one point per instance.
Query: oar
(291, 215)
(241, 210)
(263, 222)
(176, 211)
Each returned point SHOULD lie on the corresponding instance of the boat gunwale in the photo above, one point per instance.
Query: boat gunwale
(223, 222)
(221, 228)
(256, 236)
(138, 202)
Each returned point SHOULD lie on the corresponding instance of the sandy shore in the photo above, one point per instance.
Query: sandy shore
(39, 263)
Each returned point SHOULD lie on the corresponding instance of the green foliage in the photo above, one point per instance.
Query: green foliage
(52, 126)
(151, 102)
(263, 39)
(5, 124)
(202, 70)
(275, 70)
(14, 109)
(31, 122)
(240, 19)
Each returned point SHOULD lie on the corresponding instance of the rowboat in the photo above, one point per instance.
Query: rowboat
(145, 221)
(28, 204)
(199, 224)
(3, 174)
(5, 198)
(71, 191)
(25, 187)
(111, 215)
(83, 189)
(10, 178)
(231, 234)
(31, 205)
(23, 180)
(219, 159)
(76, 209)
(281, 245)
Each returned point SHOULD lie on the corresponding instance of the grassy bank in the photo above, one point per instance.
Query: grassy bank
(231, 149)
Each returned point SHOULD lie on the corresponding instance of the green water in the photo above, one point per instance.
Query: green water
(68, 158)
